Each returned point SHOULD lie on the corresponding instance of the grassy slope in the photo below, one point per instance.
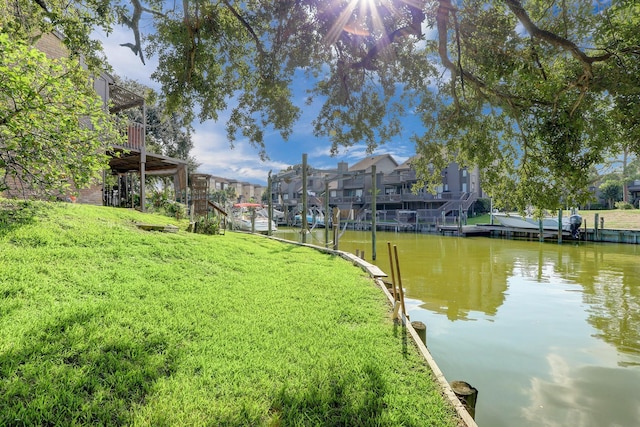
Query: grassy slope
(102, 323)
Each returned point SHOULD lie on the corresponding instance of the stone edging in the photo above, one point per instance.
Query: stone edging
(377, 274)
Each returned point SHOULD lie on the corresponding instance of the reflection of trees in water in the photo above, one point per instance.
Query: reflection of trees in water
(613, 295)
(458, 276)
(455, 277)
(608, 274)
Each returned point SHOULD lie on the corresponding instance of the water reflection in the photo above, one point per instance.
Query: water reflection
(585, 396)
(553, 330)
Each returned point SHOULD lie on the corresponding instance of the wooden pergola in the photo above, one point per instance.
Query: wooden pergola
(132, 157)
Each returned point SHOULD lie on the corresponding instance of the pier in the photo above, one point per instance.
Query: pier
(500, 231)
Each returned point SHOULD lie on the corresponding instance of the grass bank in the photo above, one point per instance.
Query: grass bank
(103, 323)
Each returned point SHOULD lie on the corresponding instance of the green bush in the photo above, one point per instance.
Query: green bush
(623, 205)
(160, 203)
(482, 206)
(175, 209)
(207, 226)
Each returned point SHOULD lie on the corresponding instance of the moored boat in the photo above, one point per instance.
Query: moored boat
(570, 224)
(251, 217)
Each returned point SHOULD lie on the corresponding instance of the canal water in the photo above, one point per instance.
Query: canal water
(549, 334)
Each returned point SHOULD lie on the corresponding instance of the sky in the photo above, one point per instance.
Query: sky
(212, 148)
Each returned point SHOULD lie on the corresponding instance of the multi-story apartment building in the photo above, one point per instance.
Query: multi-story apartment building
(130, 163)
(244, 191)
(350, 189)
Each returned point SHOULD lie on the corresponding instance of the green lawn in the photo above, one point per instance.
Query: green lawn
(105, 324)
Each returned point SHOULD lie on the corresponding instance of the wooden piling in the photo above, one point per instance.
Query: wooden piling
(335, 223)
(393, 273)
(400, 290)
(559, 225)
(467, 395)
(421, 329)
(540, 231)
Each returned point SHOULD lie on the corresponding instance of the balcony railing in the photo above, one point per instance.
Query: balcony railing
(135, 137)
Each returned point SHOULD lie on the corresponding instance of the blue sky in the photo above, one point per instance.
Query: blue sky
(212, 148)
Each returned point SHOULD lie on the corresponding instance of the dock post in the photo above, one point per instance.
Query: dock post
(393, 274)
(541, 230)
(595, 227)
(559, 225)
(421, 329)
(326, 214)
(585, 230)
(467, 395)
(374, 190)
(335, 223)
(269, 205)
(601, 226)
(400, 290)
(303, 214)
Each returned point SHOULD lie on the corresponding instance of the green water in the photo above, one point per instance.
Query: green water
(549, 334)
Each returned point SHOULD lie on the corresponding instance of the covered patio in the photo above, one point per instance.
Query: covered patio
(131, 160)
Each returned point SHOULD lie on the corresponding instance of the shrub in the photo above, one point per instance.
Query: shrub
(623, 205)
(206, 226)
(482, 206)
(175, 209)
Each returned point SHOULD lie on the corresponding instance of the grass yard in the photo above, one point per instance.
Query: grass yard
(105, 324)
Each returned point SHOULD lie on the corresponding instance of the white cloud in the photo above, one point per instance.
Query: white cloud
(242, 162)
(211, 146)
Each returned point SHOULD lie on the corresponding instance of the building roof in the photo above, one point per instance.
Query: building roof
(365, 164)
(156, 164)
(122, 99)
(407, 165)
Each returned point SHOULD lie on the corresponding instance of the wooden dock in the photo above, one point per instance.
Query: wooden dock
(500, 231)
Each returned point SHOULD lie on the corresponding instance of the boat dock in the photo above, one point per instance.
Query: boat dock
(500, 231)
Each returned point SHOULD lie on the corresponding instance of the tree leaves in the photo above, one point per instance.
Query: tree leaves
(531, 92)
(53, 130)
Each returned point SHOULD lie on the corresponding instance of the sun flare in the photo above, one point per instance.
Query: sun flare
(365, 17)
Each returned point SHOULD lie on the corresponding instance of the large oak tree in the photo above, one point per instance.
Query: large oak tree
(533, 92)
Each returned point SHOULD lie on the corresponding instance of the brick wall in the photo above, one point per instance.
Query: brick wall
(51, 45)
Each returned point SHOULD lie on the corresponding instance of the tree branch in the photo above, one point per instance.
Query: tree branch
(516, 8)
(414, 28)
(246, 25)
(442, 17)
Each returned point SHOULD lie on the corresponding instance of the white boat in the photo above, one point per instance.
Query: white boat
(315, 217)
(251, 217)
(570, 224)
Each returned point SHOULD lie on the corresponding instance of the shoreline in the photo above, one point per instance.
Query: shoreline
(377, 275)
